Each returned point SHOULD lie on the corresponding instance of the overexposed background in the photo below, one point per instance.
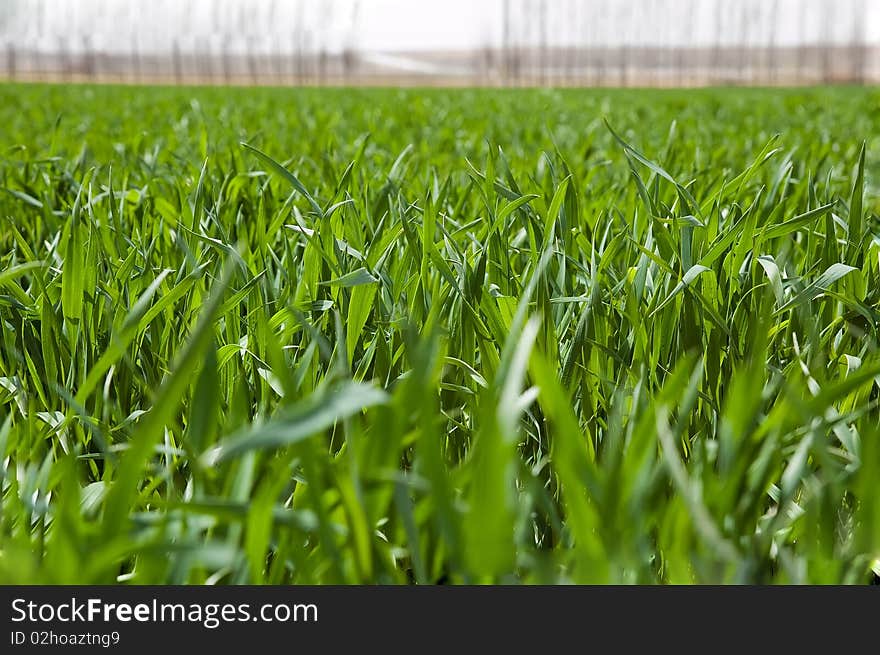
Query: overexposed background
(488, 40)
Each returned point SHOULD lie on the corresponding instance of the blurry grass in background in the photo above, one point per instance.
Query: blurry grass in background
(438, 336)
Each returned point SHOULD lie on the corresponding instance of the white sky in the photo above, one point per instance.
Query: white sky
(395, 25)
(414, 25)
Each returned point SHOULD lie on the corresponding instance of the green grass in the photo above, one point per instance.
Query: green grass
(351, 336)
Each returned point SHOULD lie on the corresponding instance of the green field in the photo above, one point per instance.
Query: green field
(474, 336)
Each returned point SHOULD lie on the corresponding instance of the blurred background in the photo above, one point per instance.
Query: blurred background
(454, 42)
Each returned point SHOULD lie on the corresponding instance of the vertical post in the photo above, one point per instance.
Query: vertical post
(773, 46)
(175, 61)
(801, 49)
(741, 61)
(859, 43)
(298, 45)
(135, 46)
(505, 41)
(825, 42)
(685, 47)
(542, 38)
(326, 18)
(516, 45)
(10, 44)
(62, 59)
(88, 62)
(623, 19)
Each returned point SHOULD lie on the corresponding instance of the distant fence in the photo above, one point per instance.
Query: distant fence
(528, 42)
